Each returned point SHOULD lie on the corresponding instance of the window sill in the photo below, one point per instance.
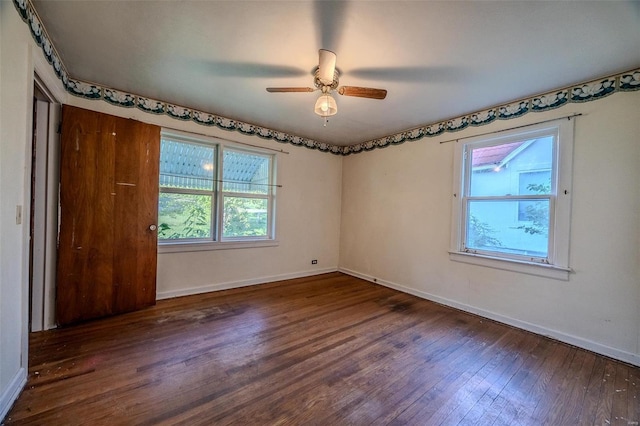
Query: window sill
(209, 245)
(538, 269)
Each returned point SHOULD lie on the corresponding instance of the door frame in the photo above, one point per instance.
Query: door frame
(45, 167)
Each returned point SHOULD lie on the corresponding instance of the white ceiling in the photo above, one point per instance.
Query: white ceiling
(438, 60)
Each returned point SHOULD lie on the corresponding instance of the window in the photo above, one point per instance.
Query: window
(214, 194)
(246, 188)
(512, 200)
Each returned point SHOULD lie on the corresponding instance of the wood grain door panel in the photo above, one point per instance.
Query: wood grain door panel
(135, 243)
(108, 199)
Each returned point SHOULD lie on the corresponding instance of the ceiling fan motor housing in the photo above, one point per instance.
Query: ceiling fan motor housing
(329, 87)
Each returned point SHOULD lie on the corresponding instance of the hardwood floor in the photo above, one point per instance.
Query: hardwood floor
(323, 350)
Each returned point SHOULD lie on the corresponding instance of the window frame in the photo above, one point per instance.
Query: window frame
(556, 263)
(217, 241)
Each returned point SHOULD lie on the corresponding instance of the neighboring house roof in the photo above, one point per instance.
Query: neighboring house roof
(497, 155)
(493, 155)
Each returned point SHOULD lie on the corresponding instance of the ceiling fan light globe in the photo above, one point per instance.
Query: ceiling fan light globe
(326, 106)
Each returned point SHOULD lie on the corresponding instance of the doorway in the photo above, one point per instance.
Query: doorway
(43, 225)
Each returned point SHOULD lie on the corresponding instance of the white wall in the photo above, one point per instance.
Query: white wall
(307, 219)
(396, 219)
(16, 88)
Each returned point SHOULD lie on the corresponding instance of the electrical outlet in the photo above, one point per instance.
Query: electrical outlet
(314, 262)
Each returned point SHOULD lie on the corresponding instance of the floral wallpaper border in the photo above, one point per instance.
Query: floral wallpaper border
(585, 92)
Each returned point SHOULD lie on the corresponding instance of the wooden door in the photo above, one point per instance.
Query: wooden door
(107, 244)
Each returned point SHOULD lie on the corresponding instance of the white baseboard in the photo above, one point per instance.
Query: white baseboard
(11, 393)
(580, 342)
(242, 283)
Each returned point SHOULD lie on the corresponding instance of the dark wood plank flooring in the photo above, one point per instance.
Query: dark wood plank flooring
(323, 350)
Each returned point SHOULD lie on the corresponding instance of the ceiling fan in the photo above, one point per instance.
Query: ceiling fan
(326, 79)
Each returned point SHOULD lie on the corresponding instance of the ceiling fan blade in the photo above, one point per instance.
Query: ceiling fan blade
(326, 66)
(363, 92)
(289, 89)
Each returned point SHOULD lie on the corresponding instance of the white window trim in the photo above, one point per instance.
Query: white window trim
(218, 242)
(559, 230)
(189, 246)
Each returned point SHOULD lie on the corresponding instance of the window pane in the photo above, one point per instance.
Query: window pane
(532, 183)
(184, 216)
(496, 169)
(247, 173)
(493, 226)
(244, 217)
(186, 165)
